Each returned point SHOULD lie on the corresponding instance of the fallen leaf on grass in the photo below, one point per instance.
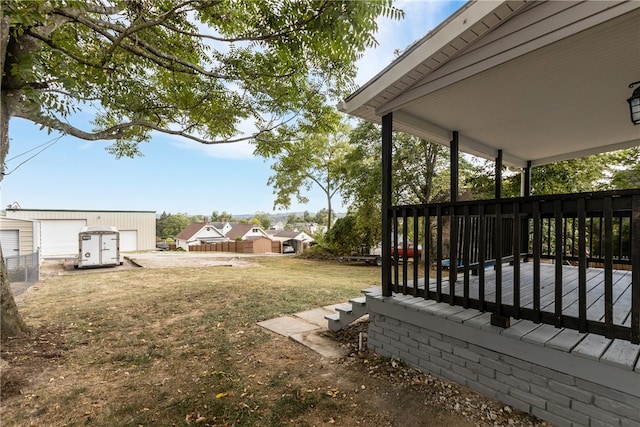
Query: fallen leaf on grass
(333, 392)
(220, 395)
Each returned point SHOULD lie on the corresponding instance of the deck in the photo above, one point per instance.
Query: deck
(612, 351)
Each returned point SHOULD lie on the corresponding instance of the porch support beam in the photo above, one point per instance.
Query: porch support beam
(387, 131)
(454, 153)
(453, 246)
(525, 189)
(498, 183)
(635, 270)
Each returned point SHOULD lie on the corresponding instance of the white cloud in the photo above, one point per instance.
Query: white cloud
(235, 150)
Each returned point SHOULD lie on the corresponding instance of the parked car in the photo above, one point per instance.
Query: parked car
(288, 249)
(162, 246)
(410, 250)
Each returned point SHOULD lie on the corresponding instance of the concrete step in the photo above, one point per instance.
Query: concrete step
(333, 322)
(359, 306)
(347, 313)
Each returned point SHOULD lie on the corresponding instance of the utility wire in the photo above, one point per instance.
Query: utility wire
(50, 144)
(34, 148)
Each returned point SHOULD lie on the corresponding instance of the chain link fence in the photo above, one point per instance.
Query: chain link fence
(23, 268)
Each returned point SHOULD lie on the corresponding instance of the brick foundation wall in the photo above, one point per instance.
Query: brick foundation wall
(560, 398)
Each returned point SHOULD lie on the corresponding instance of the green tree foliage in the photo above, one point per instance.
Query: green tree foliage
(342, 238)
(199, 69)
(628, 174)
(293, 218)
(220, 217)
(316, 159)
(604, 171)
(160, 223)
(174, 224)
(196, 218)
(420, 174)
(321, 217)
(262, 219)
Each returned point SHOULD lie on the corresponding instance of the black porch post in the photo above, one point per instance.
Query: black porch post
(387, 128)
(525, 191)
(499, 175)
(454, 150)
(453, 239)
(498, 318)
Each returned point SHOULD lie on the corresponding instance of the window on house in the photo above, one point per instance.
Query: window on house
(255, 230)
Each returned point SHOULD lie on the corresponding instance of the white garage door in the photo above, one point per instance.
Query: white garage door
(128, 240)
(10, 242)
(60, 236)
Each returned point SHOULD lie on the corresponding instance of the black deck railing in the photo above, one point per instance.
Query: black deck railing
(474, 254)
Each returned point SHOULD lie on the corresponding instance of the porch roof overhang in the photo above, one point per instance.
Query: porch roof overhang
(541, 81)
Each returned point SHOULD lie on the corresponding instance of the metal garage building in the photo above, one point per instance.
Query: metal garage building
(18, 236)
(59, 228)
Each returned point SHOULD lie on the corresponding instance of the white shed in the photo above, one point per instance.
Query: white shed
(98, 246)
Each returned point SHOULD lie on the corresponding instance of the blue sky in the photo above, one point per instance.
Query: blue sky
(177, 175)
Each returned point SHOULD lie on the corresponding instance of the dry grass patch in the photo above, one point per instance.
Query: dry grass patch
(180, 346)
(172, 346)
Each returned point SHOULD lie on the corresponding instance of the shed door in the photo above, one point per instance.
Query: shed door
(90, 250)
(109, 250)
(10, 241)
(128, 240)
(60, 236)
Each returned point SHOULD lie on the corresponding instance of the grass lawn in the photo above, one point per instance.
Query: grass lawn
(175, 346)
(180, 347)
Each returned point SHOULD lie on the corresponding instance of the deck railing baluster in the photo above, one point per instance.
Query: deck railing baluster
(439, 256)
(619, 234)
(516, 260)
(563, 229)
(498, 258)
(608, 266)
(416, 242)
(582, 266)
(405, 230)
(453, 256)
(426, 247)
(537, 252)
(635, 266)
(396, 268)
(573, 237)
(465, 255)
(559, 249)
(482, 219)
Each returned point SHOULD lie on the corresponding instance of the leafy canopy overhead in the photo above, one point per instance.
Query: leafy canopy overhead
(200, 69)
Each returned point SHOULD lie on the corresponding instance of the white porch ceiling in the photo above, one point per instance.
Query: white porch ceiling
(550, 85)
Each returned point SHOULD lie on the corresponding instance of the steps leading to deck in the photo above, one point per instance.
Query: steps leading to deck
(347, 313)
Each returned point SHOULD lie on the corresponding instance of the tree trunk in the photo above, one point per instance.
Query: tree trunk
(11, 323)
(329, 212)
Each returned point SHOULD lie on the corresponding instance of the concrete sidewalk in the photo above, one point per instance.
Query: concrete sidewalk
(308, 328)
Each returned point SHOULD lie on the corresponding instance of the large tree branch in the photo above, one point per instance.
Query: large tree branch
(297, 26)
(118, 131)
(145, 24)
(147, 51)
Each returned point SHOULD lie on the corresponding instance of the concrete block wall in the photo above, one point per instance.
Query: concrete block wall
(559, 398)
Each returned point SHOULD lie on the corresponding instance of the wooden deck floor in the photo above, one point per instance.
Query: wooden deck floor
(594, 346)
(595, 290)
